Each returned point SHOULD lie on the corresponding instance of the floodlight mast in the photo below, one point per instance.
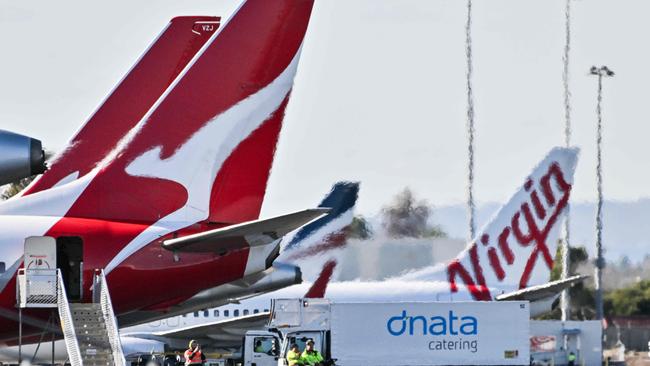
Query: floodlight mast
(565, 244)
(602, 71)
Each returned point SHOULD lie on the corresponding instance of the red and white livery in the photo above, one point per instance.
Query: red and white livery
(163, 186)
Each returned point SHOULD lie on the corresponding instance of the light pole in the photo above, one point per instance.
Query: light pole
(470, 124)
(600, 262)
(566, 237)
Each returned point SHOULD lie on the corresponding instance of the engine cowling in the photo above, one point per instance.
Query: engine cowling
(20, 157)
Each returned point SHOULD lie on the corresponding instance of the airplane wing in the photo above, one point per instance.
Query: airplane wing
(219, 331)
(247, 234)
(541, 292)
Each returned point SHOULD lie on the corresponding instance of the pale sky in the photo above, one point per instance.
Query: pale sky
(380, 91)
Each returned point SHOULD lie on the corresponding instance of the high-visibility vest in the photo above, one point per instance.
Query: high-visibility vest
(311, 357)
(193, 359)
(293, 358)
(572, 357)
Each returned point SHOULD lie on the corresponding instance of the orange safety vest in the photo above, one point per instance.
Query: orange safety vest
(196, 360)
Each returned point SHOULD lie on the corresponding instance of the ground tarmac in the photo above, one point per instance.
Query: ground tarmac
(637, 359)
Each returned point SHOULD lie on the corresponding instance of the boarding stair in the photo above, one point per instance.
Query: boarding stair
(90, 330)
(92, 335)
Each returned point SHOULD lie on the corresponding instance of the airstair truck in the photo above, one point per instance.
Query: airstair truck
(396, 333)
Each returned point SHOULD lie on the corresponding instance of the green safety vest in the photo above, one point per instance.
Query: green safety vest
(293, 358)
(572, 357)
(311, 357)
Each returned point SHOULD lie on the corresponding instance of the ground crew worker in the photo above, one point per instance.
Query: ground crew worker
(259, 348)
(310, 356)
(293, 356)
(571, 358)
(193, 355)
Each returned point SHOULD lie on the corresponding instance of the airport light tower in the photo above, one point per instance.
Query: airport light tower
(471, 208)
(566, 226)
(601, 72)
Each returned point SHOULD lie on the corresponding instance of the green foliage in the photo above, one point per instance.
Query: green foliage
(435, 231)
(629, 301)
(633, 300)
(359, 228)
(582, 297)
(409, 217)
(14, 188)
(577, 256)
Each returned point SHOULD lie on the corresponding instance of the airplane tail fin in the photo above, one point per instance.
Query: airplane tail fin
(316, 243)
(319, 287)
(130, 100)
(516, 248)
(204, 151)
(327, 232)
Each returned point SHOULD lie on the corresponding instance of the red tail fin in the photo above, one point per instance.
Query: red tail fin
(319, 287)
(131, 99)
(217, 125)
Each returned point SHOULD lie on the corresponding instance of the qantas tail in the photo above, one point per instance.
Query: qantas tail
(203, 151)
(125, 106)
(516, 248)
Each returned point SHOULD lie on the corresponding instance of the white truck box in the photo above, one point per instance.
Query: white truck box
(411, 333)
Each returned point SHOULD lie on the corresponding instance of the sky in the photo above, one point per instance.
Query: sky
(380, 92)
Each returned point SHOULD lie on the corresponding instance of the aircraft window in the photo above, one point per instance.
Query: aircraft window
(235, 313)
(226, 313)
(216, 313)
(206, 313)
(246, 312)
(266, 310)
(255, 311)
(155, 324)
(2, 267)
(196, 314)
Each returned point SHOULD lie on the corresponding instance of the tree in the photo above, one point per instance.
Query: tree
(359, 228)
(577, 256)
(14, 188)
(630, 301)
(408, 217)
(582, 296)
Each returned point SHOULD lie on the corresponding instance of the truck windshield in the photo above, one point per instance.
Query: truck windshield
(300, 341)
(264, 345)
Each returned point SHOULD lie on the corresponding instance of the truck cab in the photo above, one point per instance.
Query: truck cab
(300, 338)
(292, 321)
(261, 348)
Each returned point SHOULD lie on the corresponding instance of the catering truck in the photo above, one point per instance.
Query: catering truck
(395, 333)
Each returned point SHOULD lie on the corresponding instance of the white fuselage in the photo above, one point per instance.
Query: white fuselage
(350, 291)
